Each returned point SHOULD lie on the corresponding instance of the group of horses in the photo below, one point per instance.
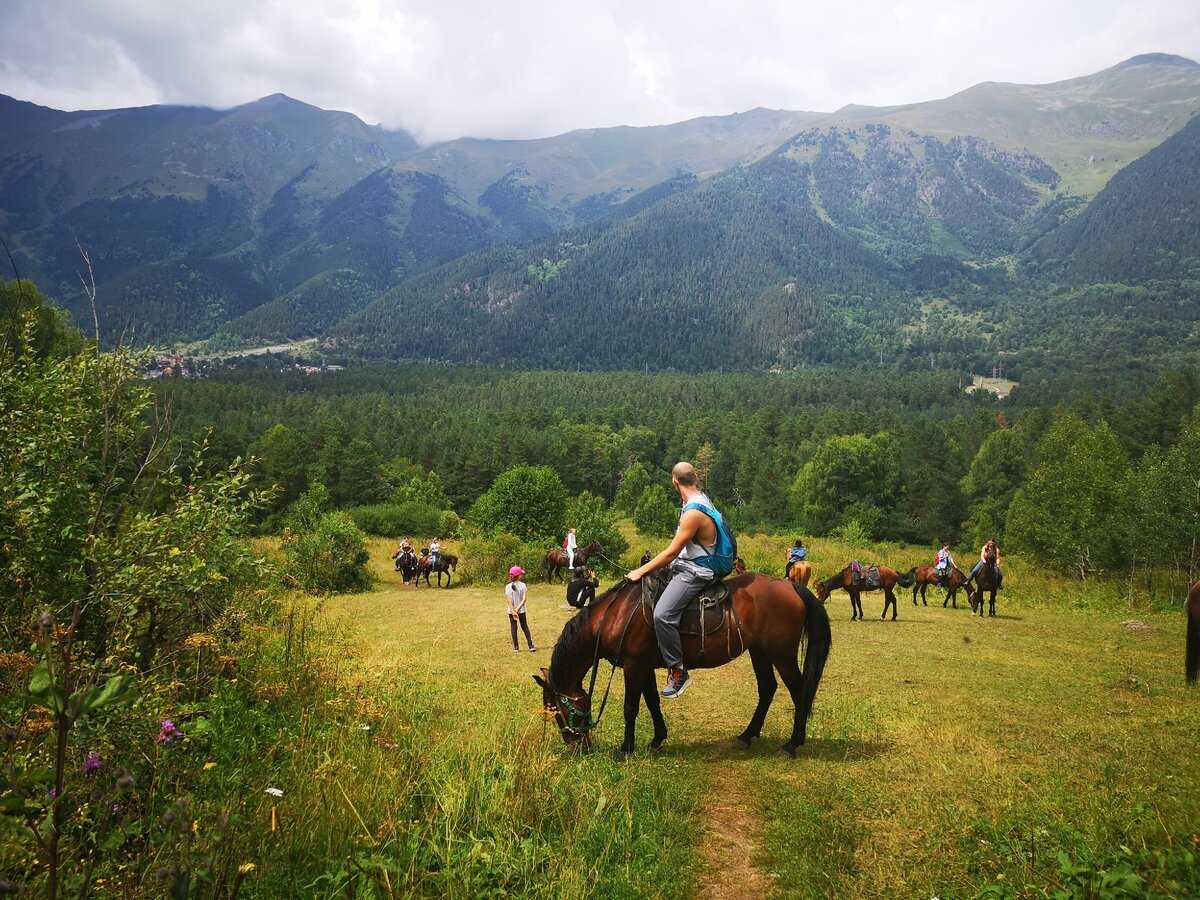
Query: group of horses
(413, 567)
(919, 578)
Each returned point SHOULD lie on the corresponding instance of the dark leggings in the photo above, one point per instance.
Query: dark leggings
(524, 627)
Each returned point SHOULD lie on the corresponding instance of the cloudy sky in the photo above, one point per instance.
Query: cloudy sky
(528, 68)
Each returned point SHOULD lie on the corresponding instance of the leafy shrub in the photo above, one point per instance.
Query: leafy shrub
(655, 514)
(398, 519)
(528, 501)
(634, 481)
(306, 512)
(332, 558)
(854, 533)
(426, 489)
(594, 520)
(449, 524)
(487, 557)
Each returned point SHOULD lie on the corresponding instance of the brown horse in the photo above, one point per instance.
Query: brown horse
(556, 560)
(767, 616)
(927, 575)
(447, 563)
(1193, 633)
(987, 580)
(888, 579)
(799, 572)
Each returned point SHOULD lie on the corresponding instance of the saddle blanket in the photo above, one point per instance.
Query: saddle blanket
(869, 577)
(704, 615)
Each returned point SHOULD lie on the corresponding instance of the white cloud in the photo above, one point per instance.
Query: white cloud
(443, 68)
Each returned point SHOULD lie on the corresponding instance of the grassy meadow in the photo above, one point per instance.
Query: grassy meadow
(1049, 749)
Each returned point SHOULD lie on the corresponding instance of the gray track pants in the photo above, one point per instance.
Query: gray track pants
(688, 580)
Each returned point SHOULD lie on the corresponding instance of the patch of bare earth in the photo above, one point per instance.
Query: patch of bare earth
(731, 843)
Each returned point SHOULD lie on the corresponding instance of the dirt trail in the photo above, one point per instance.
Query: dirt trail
(732, 841)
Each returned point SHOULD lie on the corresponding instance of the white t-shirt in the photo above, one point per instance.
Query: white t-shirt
(515, 591)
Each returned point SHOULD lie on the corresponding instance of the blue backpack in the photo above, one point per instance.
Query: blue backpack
(724, 553)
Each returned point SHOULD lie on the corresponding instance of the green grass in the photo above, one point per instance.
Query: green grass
(948, 755)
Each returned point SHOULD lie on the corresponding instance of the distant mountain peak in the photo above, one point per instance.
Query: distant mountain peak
(1158, 59)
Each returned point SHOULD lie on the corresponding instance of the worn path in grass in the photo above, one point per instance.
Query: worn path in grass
(946, 752)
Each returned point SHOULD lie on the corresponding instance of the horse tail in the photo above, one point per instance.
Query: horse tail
(820, 639)
(1193, 643)
(907, 579)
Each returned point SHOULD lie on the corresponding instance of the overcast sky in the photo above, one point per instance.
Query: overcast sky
(527, 68)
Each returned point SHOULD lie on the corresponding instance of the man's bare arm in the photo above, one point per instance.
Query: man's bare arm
(688, 526)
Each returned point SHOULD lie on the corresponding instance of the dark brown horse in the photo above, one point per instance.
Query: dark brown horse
(768, 617)
(406, 564)
(888, 579)
(987, 580)
(447, 563)
(556, 560)
(927, 575)
(1193, 633)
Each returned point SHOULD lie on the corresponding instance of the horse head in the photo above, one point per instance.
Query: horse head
(593, 548)
(570, 710)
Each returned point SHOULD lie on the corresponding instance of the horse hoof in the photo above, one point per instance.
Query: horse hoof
(654, 748)
(742, 742)
(789, 752)
(620, 754)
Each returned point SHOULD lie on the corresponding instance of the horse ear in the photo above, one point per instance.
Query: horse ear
(542, 679)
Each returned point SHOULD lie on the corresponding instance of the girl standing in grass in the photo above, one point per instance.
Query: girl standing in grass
(515, 590)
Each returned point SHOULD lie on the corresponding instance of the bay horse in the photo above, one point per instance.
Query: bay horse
(556, 560)
(987, 580)
(447, 563)
(888, 579)
(1193, 633)
(799, 572)
(767, 617)
(406, 564)
(928, 575)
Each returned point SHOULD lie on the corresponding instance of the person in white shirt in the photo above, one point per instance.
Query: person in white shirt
(515, 591)
(570, 545)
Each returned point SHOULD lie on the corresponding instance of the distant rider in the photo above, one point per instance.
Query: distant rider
(435, 551)
(989, 553)
(691, 557)
(944, 564)
(569, 546)
(798, 553)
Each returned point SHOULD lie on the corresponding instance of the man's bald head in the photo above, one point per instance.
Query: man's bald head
(685, 475)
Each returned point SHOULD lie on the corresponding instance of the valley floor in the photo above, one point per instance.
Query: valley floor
(948, 756)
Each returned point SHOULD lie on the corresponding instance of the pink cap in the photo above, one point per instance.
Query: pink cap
(516, 572)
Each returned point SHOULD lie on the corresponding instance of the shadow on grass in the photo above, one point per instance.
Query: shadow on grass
(836, 749)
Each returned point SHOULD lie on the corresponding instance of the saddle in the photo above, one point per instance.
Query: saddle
(869, 577)
(706, 612)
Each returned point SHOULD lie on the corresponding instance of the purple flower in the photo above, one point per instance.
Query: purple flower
(168, 732)
(52, 793)
(92, 763)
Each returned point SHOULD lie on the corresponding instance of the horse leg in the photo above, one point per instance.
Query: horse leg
(654, 704)
(635, 685)
(992, 602)
(765, 675)
(855, 607)
(916, 587)
(889, 599)
(789, 672)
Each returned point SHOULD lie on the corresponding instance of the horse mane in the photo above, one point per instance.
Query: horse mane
(576, 637)
(834, 581)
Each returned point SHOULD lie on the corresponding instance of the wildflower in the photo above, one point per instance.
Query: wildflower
(246, 868)
(168, 732)
(274, 792)
(209, 765)
(92, 763)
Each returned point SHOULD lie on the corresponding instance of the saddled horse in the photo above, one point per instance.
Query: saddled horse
(888, 579)
(987, 580)
(766, 616)
(799, 572)
(928, 575)
(556, 560)
(447, 563)
(406, 564)
(1193, 633)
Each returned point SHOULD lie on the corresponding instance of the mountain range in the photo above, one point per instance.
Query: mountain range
(774, 237)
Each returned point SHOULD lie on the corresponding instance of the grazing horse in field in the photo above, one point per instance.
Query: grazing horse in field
(447, 562)
(799, 572)
(766, 616)
(927, 575)
(556, 560)
(888, 579)
(986, 581)
(1193, 633)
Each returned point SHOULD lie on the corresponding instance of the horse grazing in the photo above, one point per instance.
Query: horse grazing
(799, 572)
(447, 563)
(556, 560)
(1193, 633)
(927, 575)
(987, 579)
(406, 564)
(766, 616)
(888, 579)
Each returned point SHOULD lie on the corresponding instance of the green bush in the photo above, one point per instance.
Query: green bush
(486, 558)
(398, 519)
(594, 520)
(330, 559)
(634, 481)
(528, 501)
(449, 524)
(655, 514)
